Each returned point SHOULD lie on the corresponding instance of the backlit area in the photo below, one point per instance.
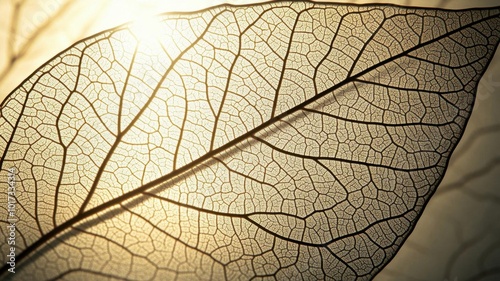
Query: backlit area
(177, 226)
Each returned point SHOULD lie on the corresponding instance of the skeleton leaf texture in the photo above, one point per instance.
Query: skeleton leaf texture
(278, 141)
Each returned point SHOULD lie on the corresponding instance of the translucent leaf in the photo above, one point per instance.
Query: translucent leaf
(285, 140)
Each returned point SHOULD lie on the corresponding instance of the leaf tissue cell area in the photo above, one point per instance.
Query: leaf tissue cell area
(285, 140)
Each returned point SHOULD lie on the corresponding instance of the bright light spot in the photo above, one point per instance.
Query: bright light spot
(147, 29)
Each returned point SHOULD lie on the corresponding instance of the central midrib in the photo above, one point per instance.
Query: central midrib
(80, 217)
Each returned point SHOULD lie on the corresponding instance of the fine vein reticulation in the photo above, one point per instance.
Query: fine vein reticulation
(286, 140)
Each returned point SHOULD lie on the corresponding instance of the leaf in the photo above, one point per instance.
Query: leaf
(285, 140)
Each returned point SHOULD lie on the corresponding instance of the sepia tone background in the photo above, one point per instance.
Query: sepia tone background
(457, 237)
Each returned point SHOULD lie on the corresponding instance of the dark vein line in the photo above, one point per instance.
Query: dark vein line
(406, 89)
(184, 120)
(124, 89)
(137, 117)
(477, 174)
(377, 123)
(459, 251)
(285, 60)
(325, 57)
(342, 160)
(224, 96)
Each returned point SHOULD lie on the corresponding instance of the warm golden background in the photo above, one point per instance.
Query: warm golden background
(457, 237)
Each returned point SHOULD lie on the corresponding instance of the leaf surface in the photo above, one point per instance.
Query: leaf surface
(283, 140)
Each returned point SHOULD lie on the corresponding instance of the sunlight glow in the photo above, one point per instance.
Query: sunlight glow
(146, 29)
